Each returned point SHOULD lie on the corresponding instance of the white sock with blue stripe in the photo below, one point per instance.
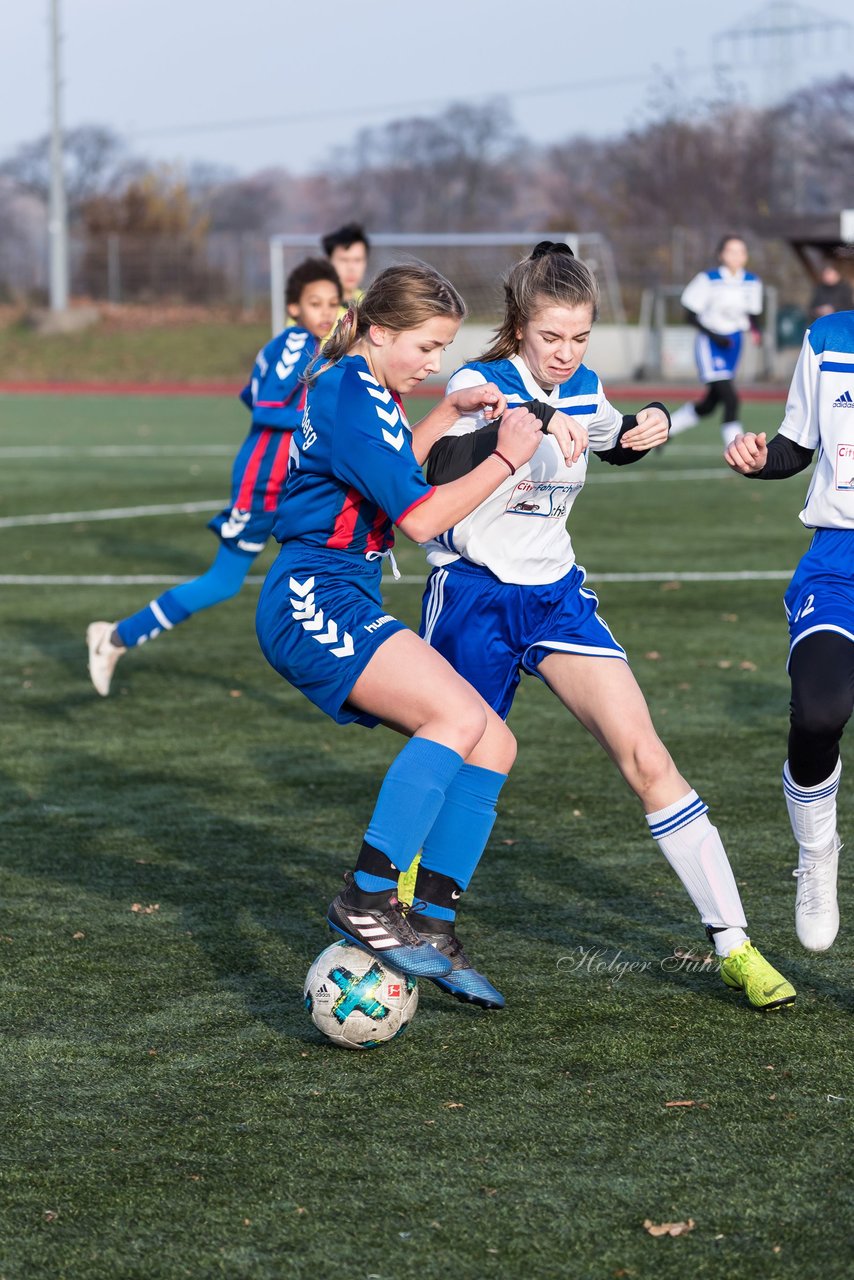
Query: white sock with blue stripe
(696, 853)
(812, 812)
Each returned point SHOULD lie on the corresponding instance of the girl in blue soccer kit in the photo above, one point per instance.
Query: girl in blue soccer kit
(722, 305)
(275, 395)
(819, 605)
(506, 595)
(355, 473)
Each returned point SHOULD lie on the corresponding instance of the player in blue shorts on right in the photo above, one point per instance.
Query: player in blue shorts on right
(819, 605)
(322, 624)
(506, 595)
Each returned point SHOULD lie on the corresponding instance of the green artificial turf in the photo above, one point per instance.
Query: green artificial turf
(169, 1109)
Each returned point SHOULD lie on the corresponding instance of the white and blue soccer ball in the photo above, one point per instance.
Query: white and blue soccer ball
(355, 1000)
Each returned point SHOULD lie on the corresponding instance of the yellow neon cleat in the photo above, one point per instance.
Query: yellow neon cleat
(747, 970)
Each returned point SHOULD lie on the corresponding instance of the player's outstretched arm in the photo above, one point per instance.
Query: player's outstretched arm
(519, 437)
(776, 460)
(653, 426)
(484, 398)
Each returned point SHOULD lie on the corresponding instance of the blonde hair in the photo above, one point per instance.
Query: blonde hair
(400, 298)
(551, 275)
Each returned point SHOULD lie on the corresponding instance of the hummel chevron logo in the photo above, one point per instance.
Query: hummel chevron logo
(395, 441)
(330, 636)
(301, 588)
(391, 418)
(303, 608)
(368, 377)
(845, 401)
(316, 621)
(380, 394)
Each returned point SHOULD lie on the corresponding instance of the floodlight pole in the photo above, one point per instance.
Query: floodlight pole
(57, 212)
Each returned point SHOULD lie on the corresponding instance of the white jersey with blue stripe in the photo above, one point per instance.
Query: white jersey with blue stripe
(820, 415)
(722, 300)
(519, 533)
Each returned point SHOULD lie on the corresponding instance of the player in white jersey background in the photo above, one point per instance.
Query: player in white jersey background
(506, 595)
(722, 304)
(819, 605)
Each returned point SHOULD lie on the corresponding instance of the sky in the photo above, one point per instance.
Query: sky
(250, 84)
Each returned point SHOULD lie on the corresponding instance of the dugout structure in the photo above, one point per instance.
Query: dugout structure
(476, 264)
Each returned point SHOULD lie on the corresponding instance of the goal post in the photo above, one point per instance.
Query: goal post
(475, 262)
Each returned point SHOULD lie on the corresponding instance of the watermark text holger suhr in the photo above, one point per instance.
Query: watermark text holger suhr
(599, 962)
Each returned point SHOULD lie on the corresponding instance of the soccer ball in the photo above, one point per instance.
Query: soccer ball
(356, 1001)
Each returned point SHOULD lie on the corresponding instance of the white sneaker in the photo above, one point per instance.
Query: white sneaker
(103, 655)
(816, 909)
(683, 419)
(731, 431)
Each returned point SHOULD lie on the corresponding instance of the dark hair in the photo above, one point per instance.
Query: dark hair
(551, 275)
(351, 233)
(400, 298)
(724, 241)
(308, 271)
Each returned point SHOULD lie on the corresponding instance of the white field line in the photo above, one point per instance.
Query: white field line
(13, 451)
(191, 508)
(406, 579)
(113, 513)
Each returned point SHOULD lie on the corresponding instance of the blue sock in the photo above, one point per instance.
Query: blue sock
(458, 837)
(223, 580)
(411, 796)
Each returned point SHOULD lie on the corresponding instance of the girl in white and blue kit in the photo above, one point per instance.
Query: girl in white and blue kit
(506, 595)
(722, 304)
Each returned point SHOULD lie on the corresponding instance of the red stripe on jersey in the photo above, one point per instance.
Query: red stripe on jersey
(416, 503)
(377, 535)
(250, 475)
(278, 471)
(345, 521)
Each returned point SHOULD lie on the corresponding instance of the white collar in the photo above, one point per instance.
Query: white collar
(532, 386)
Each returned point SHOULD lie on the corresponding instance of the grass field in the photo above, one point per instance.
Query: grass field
(169, 1109)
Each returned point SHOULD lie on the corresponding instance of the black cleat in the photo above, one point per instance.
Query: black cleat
(377, 922)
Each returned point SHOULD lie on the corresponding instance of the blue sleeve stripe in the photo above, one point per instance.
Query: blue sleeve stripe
(673, 824)
(836, 366)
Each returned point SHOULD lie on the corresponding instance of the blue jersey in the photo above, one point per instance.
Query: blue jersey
(275, 392)
(352, 472)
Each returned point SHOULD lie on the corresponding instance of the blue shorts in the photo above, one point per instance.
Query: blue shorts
(716, 364)
(491, 631)
(320, 620)
(821, 594)
(257, 477)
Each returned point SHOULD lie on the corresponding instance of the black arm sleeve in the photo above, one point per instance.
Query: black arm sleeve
(618, 455)
(785, 458)
(455, 456)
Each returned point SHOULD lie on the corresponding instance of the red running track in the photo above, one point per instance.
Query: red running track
(616, 390)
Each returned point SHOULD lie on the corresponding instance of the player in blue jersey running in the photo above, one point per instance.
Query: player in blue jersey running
(506, 595)
(819, 605)
(355, 474)
(722, 305)
(275, 396)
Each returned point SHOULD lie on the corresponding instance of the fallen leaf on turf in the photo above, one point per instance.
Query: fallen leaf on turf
(724, 664)
(140, 910)
(78, 935)
(489, 1191)
(729, 617)
(653, 656)
(235, 693)
(688, 1102)
(667, 586)
(247, 1222)
(453, 1106)
(508, 842)
(668, 1228)
(51, 1215)
(776, 1249)
(301, 1211)
(748, 666)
